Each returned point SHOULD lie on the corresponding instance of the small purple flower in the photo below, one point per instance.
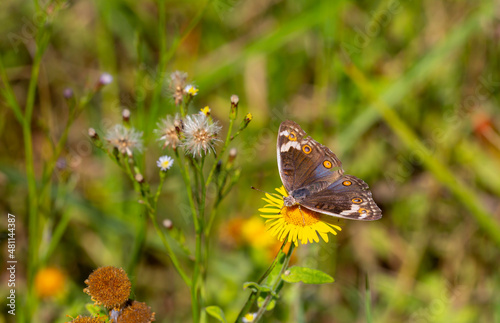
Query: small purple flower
(105, 79)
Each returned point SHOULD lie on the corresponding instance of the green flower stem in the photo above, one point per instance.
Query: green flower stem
(128, 170)
(138, 244)
(275, 286)
(162, 65)
(184, 106)
(198, 273)
(9, 95)
(465, 195)
(166, 244)
(42, 41)
(171, 254)
(185, 175)
(62, 222)
(198, 227)
(61, 143)
(183, 111)
(163, 175)
(226, 144)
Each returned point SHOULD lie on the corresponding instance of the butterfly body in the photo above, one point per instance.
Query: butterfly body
(313, 177)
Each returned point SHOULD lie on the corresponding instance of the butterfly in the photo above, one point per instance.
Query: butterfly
(313, 177)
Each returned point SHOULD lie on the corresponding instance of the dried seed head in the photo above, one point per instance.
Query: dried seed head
(178, 85)
(200, 134)
(108, 286)
(169, 131)
(125, 140)
(137, 312)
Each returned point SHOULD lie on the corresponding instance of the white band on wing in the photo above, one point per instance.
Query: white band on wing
(289, 144)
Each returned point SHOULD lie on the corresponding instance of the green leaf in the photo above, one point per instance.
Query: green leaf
(216, 312)
(306, 275)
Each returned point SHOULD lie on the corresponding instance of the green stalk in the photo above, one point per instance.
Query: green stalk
(33, 198)
(275, 285)
(9, 95)
(162, 65)
(197, 301)
(171, 254)
(226, 144)
(152, 215)
(198, 227)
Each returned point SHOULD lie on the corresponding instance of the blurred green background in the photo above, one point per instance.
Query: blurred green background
(406, 93)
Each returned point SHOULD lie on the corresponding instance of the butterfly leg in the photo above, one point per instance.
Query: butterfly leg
(303, 219)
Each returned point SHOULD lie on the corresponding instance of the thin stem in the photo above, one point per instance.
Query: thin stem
(255, 294)
(33, 198)
(226, 144)
(170, 253)
(9, 95)
(275, 287)
(197, 301)
(152, 215)
(187, 180)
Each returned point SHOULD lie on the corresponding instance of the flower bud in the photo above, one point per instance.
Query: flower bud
(126, 115)
(68, 93)
(234, 106)
(139, 178)
(167, 223)
(246, 121)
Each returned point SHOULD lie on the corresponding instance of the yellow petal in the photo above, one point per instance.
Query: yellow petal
(269, 210)
(324, 236)
(274, 198)
(282, 191)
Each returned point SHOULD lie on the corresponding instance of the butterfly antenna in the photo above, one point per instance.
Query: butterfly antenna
(253, 188)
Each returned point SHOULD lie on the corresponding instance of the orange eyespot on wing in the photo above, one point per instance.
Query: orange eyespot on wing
(327, 164)
(292, 136)
(357, 200)
(347, 183)
(363, 211)
(307, 149)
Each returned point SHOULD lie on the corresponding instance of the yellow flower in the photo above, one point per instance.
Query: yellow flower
(205, 111)
(49, 282)
(254, 232)
(191, 90)
(295, 222)
(249, 317)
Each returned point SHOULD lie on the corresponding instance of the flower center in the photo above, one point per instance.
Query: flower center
(201, 136)
(299, 217)
(123, 142)
(171, 132)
